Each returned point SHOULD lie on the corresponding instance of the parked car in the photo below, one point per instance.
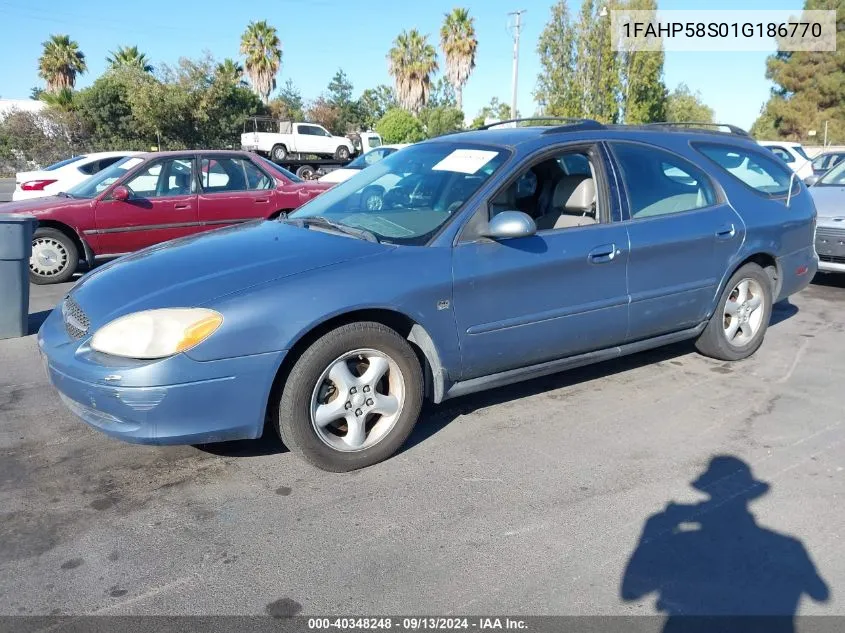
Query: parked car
(499, 255)
(151, 198)
(829, 196)
(826, 161)
(287, 140)
(365, 160)
(63, 175)
(792, 154)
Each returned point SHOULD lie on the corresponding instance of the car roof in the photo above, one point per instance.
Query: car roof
(192, 152)
(114, 153)
(781, 143)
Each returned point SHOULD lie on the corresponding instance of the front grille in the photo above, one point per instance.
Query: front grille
(829, 233)
(831, 259)
(75, 319)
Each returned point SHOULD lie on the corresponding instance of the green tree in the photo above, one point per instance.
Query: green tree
(339, 95)
(262, 51)
(375, 102)
(35, 92)
(288, 106)
(809, 88)
(106, 109)
(644, 94)
(441, 120)
(684, 105)
(61, 62)
(400, 126)
(494, 110)
(230, 70)
(459, 45)
(129, 56)
(556, 92)
(411, 62)
(596, 68)
(63, 100)
(326, 113)
(442, 95)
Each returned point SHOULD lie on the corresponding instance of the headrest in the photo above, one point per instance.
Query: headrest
(577, 193)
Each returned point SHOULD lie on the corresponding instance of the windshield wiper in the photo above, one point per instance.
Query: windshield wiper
(319, 220)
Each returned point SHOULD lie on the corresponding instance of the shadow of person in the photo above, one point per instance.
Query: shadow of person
(713, 568)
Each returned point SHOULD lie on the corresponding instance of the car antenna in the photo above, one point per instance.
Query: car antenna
(789, 195)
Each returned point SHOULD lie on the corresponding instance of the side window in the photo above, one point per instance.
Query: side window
(555, 197)
(108, 162)
(231, 174)
(781, 153)
(753, 168)
(660, 183)
(166, 178)
(89, 169)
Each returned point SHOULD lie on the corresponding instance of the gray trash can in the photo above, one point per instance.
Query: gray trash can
(15, 249)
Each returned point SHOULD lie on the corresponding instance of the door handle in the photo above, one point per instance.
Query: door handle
(603, 254)
(726, 232)
(262, 200)
(179, 206)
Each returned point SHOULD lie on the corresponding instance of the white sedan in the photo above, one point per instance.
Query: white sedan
(365, 160)
(793, 155)
(63, 175)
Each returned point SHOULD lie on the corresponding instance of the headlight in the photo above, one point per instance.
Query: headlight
(156, 333)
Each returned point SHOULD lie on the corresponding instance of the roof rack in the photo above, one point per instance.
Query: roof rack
(567, 120)
(732, 129)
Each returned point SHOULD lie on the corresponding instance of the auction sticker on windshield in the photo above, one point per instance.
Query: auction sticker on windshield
(465, 161)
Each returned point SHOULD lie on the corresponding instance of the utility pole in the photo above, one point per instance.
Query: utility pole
(517, 24)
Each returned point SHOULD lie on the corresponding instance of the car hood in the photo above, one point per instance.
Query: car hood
(195, 270)
(42, 206)
(829, 201)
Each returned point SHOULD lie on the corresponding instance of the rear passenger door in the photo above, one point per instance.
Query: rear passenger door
(233, 189)
(683, 235)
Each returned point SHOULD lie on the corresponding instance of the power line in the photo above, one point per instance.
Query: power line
(515, 28)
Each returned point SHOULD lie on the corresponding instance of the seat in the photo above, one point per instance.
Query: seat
(573, 204)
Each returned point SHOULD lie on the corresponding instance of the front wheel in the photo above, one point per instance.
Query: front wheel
(342, 153)
(739, 323)
(352, 398)
(279, 153)
(54, 257)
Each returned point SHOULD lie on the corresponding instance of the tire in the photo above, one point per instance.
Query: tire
(279, 153)
(55, 257)
(717, 339)
(306, 172)
(372, 198)
(331, 446)
(342, 153)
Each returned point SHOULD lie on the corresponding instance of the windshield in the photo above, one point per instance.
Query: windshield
(408, 196)
(370, 158)
(102, 180)
(800, 151)
(289, 175)
(62, 163)
(835, 177)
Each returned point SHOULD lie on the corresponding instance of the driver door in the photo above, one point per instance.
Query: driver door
(162, 206)
(558, 293)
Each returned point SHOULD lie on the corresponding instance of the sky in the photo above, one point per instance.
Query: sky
(320, 36)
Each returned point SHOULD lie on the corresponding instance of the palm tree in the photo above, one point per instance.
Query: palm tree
(131, 57)
(457, 39)
(60, 63)
(262, 51)
(63, 99)
(411, 62)
(230, 70)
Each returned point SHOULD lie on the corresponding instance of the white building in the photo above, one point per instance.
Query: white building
(20, 105)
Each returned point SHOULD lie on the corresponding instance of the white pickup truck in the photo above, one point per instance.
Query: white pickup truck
(283, 141)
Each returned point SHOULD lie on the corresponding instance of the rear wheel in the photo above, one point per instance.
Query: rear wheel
(342, 153)
(373, 198)
(279, 153)
(306, 172)
(352, 398)
(54, 257)
(739, 323)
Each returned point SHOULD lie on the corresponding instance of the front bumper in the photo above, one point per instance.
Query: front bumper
(175, 400)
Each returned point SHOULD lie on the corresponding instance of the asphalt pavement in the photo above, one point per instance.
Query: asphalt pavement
(526, 500)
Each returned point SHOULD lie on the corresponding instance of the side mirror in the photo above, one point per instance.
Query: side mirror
(120, 193)
(811, 180)
(510, 224)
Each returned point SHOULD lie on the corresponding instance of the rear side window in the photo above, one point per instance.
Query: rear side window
(661, 183)
(755, 169)
(781, 153)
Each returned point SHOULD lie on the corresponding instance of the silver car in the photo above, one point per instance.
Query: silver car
(829, 195)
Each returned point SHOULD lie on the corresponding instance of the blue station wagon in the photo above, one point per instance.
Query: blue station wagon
(463, 263)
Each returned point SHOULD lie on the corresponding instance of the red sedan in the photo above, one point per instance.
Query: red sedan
(151, 198)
